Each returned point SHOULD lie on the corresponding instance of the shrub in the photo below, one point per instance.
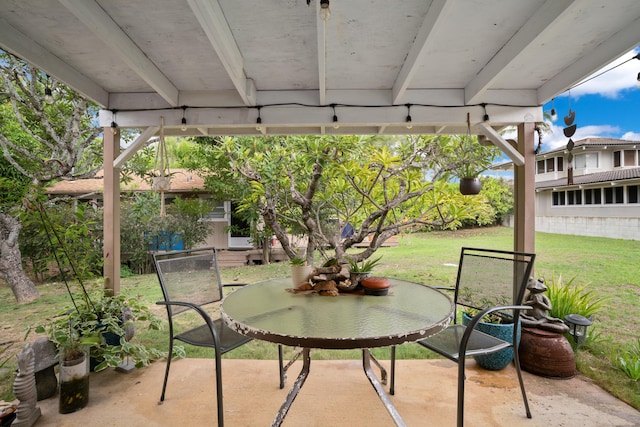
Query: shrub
(569, 298)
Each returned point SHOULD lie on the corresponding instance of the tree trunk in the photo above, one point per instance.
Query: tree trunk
(11, 261)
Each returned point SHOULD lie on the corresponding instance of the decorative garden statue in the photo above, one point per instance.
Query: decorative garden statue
(24, 389)
(538, 316)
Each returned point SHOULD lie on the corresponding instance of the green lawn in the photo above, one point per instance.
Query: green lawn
(608, 266)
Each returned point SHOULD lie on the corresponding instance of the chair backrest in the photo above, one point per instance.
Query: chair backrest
(190, 276)
(492, 278)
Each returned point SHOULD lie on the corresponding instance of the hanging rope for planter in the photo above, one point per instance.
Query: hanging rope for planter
(162, 181)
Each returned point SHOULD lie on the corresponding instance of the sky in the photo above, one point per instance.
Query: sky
(607, 106)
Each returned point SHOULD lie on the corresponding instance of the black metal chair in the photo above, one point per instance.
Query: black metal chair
(190, 281)
(489, 282)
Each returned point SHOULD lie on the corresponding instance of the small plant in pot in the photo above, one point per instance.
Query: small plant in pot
(360, 270)
(300, 271)
(496, 324)
(472, 158)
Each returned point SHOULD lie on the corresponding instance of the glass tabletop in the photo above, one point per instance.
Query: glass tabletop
(267, 311)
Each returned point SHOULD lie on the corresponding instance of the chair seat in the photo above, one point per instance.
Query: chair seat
(201, 336)
(447, 342)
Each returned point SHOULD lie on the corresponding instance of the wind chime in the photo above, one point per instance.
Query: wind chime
(569, 131)
(162, 177)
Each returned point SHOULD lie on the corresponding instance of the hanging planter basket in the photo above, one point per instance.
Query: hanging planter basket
(470, 186)
(161, 183)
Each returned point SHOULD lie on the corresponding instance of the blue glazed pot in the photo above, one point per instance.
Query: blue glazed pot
(500, 359)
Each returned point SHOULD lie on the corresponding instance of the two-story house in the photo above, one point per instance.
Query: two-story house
(592, 190)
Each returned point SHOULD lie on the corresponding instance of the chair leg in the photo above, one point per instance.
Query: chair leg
(392, 385)
(166, 372)
(281, 366)
(219, 389)
(516, 360)
(461, 380)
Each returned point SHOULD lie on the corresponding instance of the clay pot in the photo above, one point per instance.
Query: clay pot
(546, 353)
(375, 285)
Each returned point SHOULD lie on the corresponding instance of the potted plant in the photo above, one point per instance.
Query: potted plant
(72, 347)
(474, 158)
(359, 271)
(300, 271)
(495, 325)
(107, 325)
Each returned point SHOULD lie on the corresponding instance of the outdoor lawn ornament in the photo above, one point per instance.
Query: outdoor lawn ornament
(544, 350)
(24, 389)
(538, 316)
(578, 327)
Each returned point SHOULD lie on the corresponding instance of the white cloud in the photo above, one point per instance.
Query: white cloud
(556, 139)
(631, 136)
(612, 82)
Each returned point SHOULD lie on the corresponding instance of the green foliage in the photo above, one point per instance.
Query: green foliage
(308, 185)
(569, 298)
(365, 266)
(73, 229)
(472, 157)
(142, 226)
(87, 324)
(629, 361)
(298, 261)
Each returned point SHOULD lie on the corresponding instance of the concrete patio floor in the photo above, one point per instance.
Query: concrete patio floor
(337, 393)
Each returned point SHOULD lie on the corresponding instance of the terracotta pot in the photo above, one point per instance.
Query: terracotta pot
(470, 186)
(375, 285)
(547, 354)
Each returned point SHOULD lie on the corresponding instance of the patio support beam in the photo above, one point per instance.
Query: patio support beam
(500, 142)
(524, 194)
(215, 26)
(100, 23)
(615, 46)
(137, 144)
(22, 46)
(111, 219)
(434, 16)
(321, 31)
(527, 36)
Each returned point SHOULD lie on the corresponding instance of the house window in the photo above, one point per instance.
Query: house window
(217, 214)
(558, 198)
(629, 157)
(613, 195)
(540, 166)
(617, 159)
(592, 196)
(551, 165)
(586, 161)
(560, 164)
(574, 197)
(632, 193)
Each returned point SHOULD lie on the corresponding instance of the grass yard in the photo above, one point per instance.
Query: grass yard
(607, 266)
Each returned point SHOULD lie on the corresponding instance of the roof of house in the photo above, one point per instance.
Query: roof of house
(592, 178)
(182, 181)
(593, 142)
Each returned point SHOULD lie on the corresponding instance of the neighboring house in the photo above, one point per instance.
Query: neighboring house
(185, 184)
(599, 196)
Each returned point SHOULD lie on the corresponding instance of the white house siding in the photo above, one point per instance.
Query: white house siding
(614, 228)
(612, 221)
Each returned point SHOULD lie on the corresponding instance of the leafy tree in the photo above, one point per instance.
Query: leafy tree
(43, 141)
(315, 186)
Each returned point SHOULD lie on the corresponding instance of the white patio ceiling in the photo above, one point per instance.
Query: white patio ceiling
(222, 59)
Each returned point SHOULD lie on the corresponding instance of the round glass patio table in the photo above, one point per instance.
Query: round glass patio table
(266, 311)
